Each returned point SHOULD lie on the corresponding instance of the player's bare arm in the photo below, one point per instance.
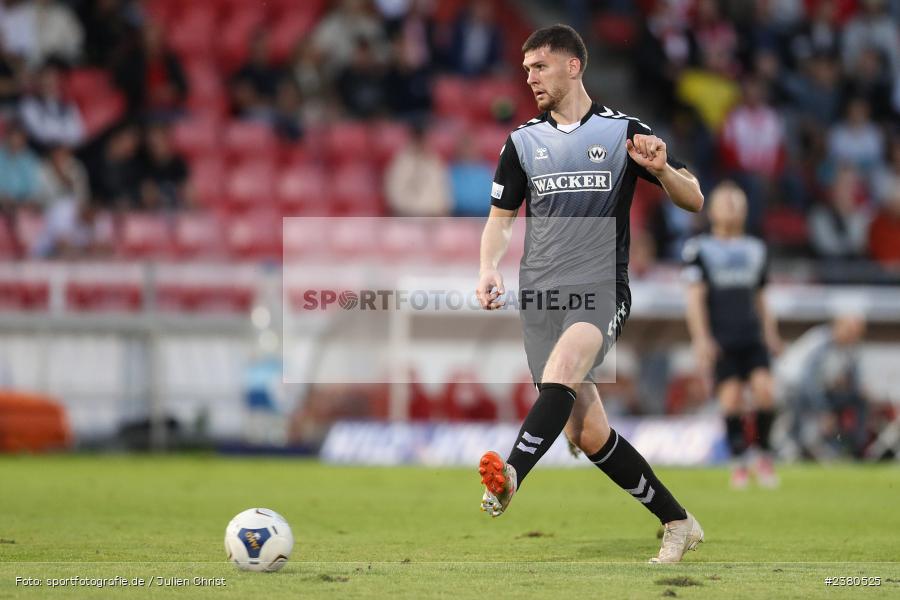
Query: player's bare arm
(769, 323)
(681, 185)
(494, 242)
(705, 349)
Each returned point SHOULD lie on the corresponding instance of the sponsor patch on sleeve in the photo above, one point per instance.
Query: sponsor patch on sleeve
(496, 191)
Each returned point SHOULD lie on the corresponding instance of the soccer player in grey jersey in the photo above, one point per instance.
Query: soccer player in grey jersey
(582, 160)
(732, 328)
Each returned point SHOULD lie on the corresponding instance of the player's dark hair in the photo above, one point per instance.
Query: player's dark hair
(558, 38)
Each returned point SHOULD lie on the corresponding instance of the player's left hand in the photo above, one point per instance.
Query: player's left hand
(649, 152)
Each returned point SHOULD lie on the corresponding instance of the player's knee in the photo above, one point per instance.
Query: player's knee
(565, 367)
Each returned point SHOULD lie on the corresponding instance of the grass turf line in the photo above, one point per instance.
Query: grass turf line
(418, 533)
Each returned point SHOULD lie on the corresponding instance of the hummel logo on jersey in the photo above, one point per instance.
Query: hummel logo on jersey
(597, 153)
(574, 181)
(540, 153)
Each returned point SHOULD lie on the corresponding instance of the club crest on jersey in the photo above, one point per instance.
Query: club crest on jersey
(597, 153)
(540, 153)
(572, 181)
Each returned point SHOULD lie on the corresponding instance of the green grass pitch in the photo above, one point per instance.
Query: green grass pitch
(418, 533)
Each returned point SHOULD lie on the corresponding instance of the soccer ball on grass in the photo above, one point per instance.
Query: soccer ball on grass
(258, 539)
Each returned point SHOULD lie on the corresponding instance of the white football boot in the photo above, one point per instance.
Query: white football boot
(678, 538)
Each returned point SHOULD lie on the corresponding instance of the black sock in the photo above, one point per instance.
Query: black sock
(543, 424)
(734, 434)
(764, 420)
(628, 469)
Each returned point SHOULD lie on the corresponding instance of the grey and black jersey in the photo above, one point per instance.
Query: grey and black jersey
(583, 173)
(734, 270)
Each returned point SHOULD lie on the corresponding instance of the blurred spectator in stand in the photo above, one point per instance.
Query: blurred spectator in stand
(163, 173)
(108, 24)
(470, 181)
(857, 140)
(820, 372)
(11, 86)
(872, 27)
(477, 44)
(48, 117)
(710, 90)
(336, 38)
(416, 182)
(408, 83)
(814, 91)
(887, 180)
(817, 37)
(73, 230)
(753, 149)
(871, 80)
(306, 72)
(63, 178)
(19, 170)
(116, 176)
(288, 113)
(361, 84)
(884, 234)
(151, 75)
(258, 70)
(667, 47)
(42, 30)
(716, 35)
(837, 230)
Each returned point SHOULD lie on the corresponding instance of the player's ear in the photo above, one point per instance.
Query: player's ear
(574, 67)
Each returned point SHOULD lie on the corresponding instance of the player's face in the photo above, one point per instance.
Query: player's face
(548, 77)
(729, 209)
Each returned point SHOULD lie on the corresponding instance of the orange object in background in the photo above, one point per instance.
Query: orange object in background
(32, 423)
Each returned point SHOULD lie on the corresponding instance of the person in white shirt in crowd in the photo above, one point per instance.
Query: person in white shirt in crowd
(39, 30)
(49, 118)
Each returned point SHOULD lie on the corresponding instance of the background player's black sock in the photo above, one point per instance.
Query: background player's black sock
(734, 434)
(543, 424)
(764, 420)
(628, 469)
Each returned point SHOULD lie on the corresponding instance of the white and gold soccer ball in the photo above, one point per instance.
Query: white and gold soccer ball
(258, 539)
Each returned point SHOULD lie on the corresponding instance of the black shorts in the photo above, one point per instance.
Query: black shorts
(740, 361)
(547, 314)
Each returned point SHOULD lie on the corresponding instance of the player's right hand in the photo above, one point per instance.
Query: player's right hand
(490, 289)
(705, 352)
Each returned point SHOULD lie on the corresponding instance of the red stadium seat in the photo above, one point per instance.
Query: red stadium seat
(29, 226)
(456, 240)
(287, 31)
(466, 400)
(82, 84)
(144, 236)
(102, 112)
(192, 33)
(452, 97)
(347, 142)
(233, 36)
(488, 94)
(104, 288)
(244, 139)
(251, 184)
(405, 238)
(255, 236)
(196, 137)
(303, 189)
(388, 138)
(348, 238)
(305, 237)
(207, 181)
(356, 191)
(198, 235)
(489, 140)
(206, 92)
(9, 249)
(444, 138)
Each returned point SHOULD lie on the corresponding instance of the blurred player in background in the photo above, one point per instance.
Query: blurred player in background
(732, 329)
(579, 161)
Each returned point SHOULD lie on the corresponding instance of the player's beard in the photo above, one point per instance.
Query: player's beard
(550, 101)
